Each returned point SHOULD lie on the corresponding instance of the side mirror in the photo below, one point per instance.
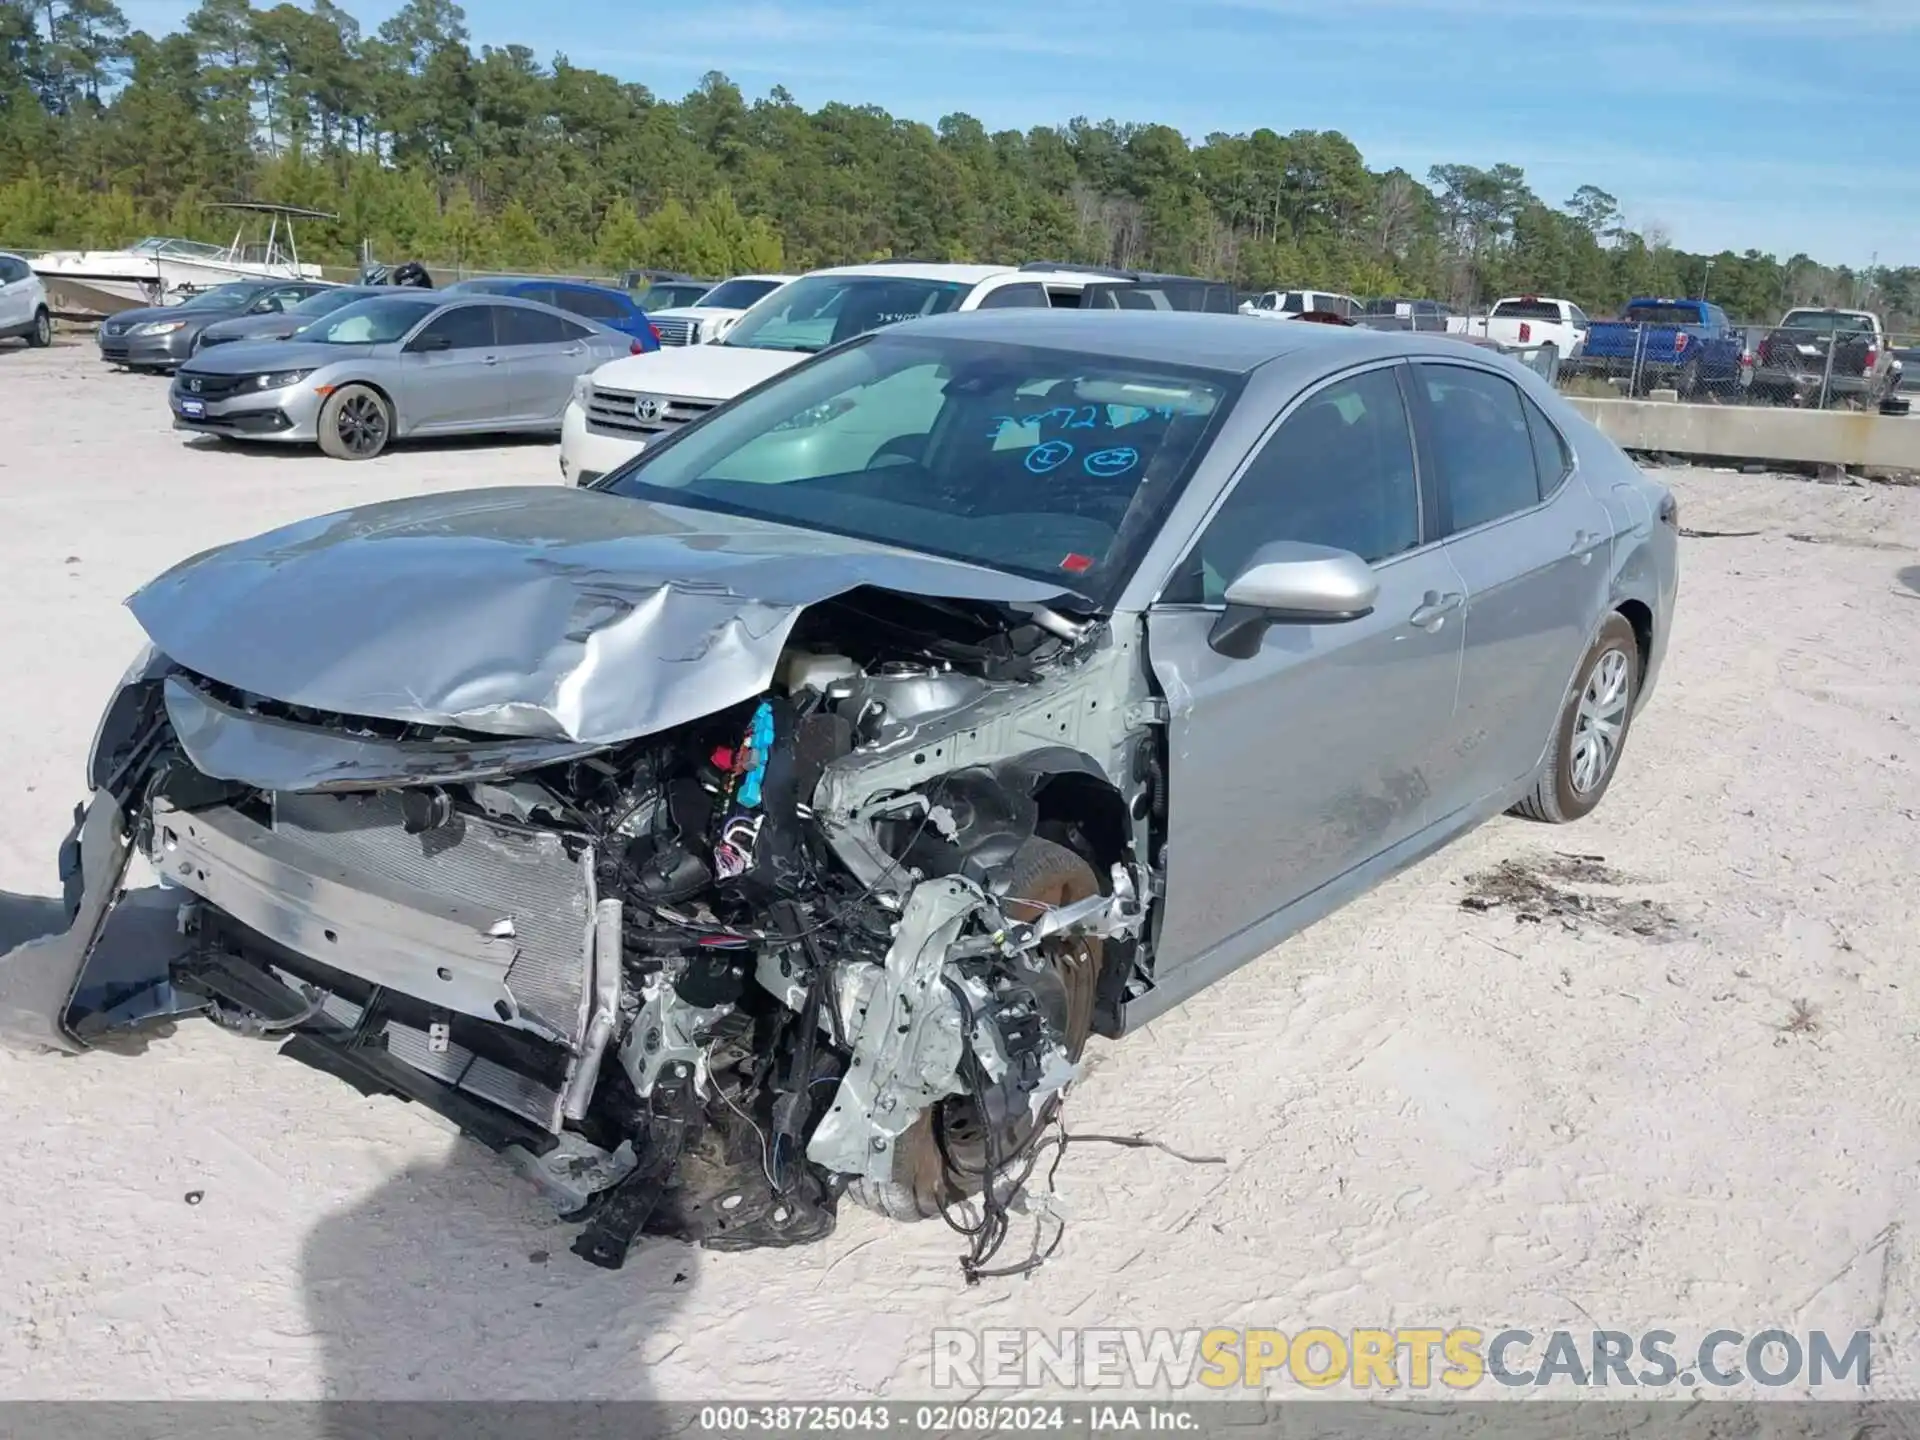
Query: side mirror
(1291, 583)
(426, 344)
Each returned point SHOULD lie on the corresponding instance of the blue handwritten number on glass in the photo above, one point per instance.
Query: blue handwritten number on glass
(1043, 459)
(1117, 461)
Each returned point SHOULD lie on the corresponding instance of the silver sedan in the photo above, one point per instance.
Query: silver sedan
(774, 821)
(395, 366)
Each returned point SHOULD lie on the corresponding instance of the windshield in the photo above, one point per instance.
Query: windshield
(1053, 464)
(1661, 315)
(821, 310)
(667, 295)
(223, 297)
(379, 321)
(1827, 322)
(737, 294)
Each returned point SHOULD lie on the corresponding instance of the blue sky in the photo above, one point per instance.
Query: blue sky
(1782, 124)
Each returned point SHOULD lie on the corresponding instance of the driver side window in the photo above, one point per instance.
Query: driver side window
(1340, 472)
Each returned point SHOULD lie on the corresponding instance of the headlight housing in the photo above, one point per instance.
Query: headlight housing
(121, 718)
(582, 388)
(280, 379)
(160, 327)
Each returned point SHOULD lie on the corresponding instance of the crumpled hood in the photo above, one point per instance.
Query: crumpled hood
(542, 610)
(699, 372)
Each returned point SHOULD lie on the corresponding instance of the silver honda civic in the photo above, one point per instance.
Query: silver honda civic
(771, 824)
(395, 366)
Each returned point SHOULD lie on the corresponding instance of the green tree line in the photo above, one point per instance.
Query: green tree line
(429, 148)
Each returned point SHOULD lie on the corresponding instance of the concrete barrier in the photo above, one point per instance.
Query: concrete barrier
(1758, 432)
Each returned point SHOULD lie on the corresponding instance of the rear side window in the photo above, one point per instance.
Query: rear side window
(1482, 446)
(1014, 297)
(1294, 303)
(530, 327)
(1526, 310)
(1552, 460)
(594, 304)
(12, 270)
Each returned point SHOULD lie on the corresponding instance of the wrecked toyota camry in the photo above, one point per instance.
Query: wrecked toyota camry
(771, 825)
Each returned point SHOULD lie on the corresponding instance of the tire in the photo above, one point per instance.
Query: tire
(355, 423)
(923, 1180)
(1569, 786)
(41, 335)
(1687, 383)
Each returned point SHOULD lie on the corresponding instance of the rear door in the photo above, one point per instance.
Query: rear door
(466, 382)
(544, 353)
(1533, 547)
(1315, 754)
(596, 305)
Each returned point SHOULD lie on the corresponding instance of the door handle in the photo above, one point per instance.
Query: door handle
(1585, 542)
(1433, 610)
(576, 350)
(491, 360)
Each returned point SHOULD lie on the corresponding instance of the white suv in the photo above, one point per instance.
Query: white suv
(710, 317)
(23, 303)
(626, 403)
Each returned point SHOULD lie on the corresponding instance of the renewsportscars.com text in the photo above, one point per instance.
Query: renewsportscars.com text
(1457, 1359)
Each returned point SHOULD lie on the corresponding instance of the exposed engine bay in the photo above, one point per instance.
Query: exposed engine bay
(845, 940)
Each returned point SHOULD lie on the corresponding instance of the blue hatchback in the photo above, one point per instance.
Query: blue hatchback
(599, 303)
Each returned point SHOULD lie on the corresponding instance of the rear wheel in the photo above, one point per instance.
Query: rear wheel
(944, 1156)
(41, 336)
(1592, 729)
(355, 423)
(1688, 381)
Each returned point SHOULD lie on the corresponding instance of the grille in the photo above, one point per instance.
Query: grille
(616, 412)
(213, 387)
(674, 332)
(518, 873)
(116, 327)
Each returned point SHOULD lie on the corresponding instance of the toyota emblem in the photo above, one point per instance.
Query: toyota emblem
(194, 386)
(647, 408)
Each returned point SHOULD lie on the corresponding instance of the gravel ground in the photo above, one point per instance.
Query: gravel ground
(1665, 1086)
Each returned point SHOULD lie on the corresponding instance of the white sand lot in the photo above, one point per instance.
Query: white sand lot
(1430, 1115)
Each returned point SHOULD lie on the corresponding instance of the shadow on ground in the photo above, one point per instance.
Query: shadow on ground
(28, 917)
(1910, 577)
(443, 444)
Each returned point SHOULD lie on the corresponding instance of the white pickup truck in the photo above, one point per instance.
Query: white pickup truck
(1530, 321)
(626, 404)
(707, 320)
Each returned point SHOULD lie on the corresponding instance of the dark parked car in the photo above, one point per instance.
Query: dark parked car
(279, 324)
(1820, 356)
(601, 304)
(162, 336)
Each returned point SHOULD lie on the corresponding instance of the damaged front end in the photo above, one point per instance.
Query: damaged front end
(847, 936)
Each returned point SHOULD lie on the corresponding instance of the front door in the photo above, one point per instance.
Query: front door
(1534, 547)
(460, 383)
(1327, 747)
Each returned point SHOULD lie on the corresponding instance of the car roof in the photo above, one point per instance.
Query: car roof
(1231, 343)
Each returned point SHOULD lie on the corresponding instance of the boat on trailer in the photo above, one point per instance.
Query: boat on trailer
(160, 270)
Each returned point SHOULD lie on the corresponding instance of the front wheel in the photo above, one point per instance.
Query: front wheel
(355, 423)
(1591, 732)
(41, 336)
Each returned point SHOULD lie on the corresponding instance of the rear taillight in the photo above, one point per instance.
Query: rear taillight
(1746, 359)
(653, 330)
(1680, 341)
(1873, 358)
(636, 349)
(1526, 332)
